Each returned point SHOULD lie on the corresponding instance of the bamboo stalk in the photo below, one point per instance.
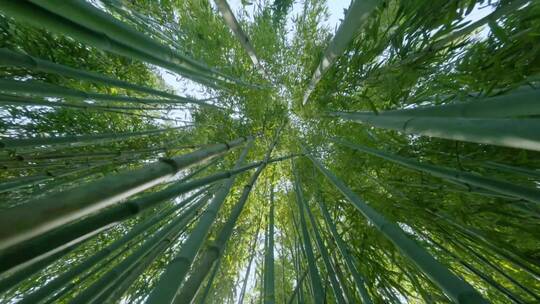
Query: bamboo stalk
(44, 214)
(336, 288)
(13, 58)
(454, 287)
(487, 279)
(170, 281)
(215, 250)
(37, 88)
(18, 183)
(161, 239)
(269, 280)
(232, 23)
(343, 281)
(53, 285)
(250, 262)
(49, 242)
(468, 190)
(14, 278)
(522, 102)
(476, 236)
(210, 282)
(8, 266)
(88, 16)
(505, 188)
(34, 157)
(91, 273)
(39, 17)
(485, 261)
(296, 289)
(142, 21)
(513, 133)
(45, 243)
(316, 284)
(124, 283)
(356, 16)
(513, 169)
(28, 102)
(12, 143)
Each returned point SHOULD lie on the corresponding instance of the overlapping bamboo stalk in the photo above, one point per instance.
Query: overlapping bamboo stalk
(50, 242)
(454, 287)
(269, 273)
(55, 284)
(316, 283)
(498, 186)
(42, 89)
(44, 214)
(215, 250)
(17, 59)
(169, 283)
(159, 241)
(89, 25)
(13, 143)
(336, 288)
(356, 16)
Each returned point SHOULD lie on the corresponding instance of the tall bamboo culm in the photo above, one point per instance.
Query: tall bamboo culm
(58, 282)
(215, 250)
(171, 280)
(342, 247)
(42, 215)
(454, 287)
(316, 283)
(160, 241)
(48, 243)
(331, 273)
(269, 273)
(498, 186)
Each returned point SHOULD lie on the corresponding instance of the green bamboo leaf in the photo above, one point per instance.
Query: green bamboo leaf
(498, 32)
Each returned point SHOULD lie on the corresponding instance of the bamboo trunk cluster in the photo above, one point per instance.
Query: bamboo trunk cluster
(455, 288)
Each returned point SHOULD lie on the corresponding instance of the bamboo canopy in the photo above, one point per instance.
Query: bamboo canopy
(269, 151)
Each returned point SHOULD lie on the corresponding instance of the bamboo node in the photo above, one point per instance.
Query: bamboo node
(170, 162)
(215, 248)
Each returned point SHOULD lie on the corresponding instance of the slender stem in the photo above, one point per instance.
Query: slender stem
(316, 284)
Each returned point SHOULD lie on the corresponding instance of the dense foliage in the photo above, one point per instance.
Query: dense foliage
(407, 53)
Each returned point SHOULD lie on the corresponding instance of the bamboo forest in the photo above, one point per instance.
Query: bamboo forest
(270, 151)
